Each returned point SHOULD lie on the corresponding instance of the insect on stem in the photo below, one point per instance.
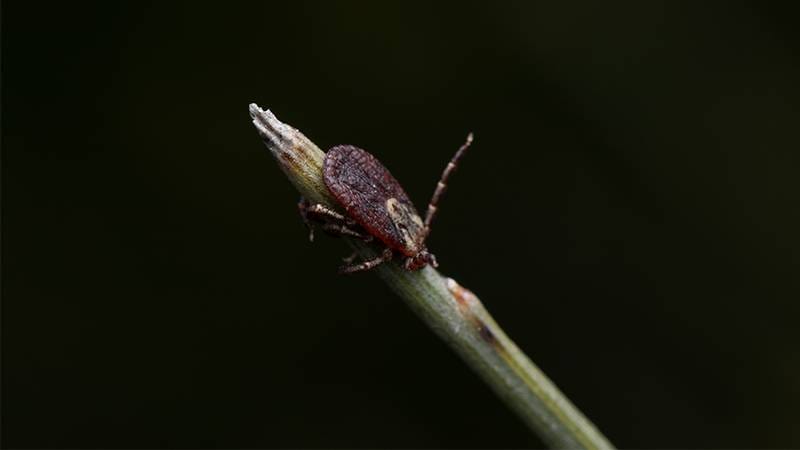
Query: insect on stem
(344, 183)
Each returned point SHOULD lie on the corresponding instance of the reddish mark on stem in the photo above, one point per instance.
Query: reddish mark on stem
(288, 159)
(467, 301)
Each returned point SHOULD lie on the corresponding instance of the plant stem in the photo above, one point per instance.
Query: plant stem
(453, 312)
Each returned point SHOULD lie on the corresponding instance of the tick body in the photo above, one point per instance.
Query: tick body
(376, 207)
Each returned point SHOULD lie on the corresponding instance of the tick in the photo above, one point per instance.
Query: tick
(376, 208)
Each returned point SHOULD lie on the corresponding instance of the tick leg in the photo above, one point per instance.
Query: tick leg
(366, 265)
(349, 259)
(332, 222)
(320, 212)
(442, 185)
(338, 229)
(302, 207)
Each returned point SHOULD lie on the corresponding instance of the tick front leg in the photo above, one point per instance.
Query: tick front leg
(366, 265)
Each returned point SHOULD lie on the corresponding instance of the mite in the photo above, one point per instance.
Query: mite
(376, 208)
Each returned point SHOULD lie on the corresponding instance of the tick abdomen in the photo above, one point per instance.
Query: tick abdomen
(373, 198)
(376, 207)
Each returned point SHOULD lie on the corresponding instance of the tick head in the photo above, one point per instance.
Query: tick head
(420, 260)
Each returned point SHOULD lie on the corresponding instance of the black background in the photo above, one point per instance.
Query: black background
(628, 213)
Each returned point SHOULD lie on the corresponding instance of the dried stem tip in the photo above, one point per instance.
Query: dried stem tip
(299, 158)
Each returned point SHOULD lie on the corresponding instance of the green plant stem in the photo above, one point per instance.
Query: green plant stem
(454, 313)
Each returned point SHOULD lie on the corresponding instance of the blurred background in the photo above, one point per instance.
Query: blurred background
(628, 213)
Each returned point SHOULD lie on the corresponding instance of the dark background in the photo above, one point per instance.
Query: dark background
(628, 212)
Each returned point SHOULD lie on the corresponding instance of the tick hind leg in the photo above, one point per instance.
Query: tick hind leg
(331, 221)
(386, 255)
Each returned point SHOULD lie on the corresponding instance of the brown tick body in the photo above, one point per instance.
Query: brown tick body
(376, 207)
